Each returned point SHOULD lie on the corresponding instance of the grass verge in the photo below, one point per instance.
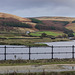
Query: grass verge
(28, 41)
(36, 62)
(43, 73)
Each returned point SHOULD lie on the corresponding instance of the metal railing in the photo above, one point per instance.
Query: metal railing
(29, 53)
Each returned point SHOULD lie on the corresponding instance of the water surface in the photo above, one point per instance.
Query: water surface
(38, 50)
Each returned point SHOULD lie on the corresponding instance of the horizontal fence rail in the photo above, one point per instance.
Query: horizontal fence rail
(53, 50)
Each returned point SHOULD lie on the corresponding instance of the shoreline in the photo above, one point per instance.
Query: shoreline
(31, 42)
(35, 68)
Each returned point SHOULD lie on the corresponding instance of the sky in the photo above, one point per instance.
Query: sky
(37, 8)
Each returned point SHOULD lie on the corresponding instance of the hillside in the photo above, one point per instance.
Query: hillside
(14, 27)
(13, 23)
(56, 18)
(5, 15)
(59, 22)
(71, 26)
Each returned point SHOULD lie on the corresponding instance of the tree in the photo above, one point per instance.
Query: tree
(70, 35)
(16, 24)
(43, 35)
(36, 21)
(64, 36)
(73, 21)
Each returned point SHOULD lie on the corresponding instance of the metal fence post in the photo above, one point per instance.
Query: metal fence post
(73, 52)
(29, 53)
(52, 51)
(5, 53)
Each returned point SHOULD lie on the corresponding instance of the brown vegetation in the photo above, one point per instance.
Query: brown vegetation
(57, 18)
(71, 26)
(4, 15)
(52, 23)
(6, 18)
(49, 23)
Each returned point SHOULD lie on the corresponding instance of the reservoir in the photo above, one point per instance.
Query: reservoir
(61, 50)
(64, 43)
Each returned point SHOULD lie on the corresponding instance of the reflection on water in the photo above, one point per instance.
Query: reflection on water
(37, 68)
(69, 67)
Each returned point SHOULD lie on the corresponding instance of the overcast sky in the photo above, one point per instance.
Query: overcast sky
(36, 8)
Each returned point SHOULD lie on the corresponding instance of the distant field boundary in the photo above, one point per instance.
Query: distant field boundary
(19, 38)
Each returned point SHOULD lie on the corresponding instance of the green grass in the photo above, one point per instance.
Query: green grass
(43, 73)
(36, 62)
(21, 39)
(74, 34)
(47, 32)
(28, 41)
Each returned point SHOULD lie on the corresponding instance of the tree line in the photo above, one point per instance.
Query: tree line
(36, 21)
(15, 24)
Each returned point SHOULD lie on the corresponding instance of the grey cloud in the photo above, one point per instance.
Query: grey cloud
(38, 7)
(21, 4)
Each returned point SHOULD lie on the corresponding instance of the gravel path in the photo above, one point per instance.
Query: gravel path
(37, 68)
